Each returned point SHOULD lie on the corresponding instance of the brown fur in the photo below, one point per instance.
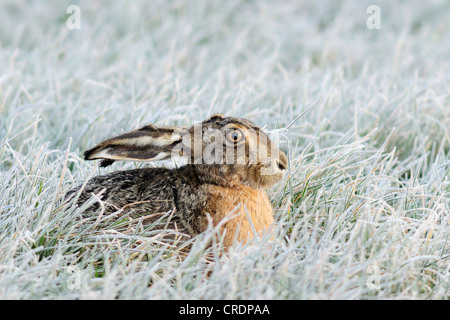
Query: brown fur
(237, 206)
(232, 193)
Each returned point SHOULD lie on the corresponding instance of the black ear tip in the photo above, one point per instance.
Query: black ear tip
(87, 154)
(106, 162)
(103, 163)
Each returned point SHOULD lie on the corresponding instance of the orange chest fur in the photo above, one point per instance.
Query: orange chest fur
(242, 209)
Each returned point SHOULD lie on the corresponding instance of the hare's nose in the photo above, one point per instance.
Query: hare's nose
(282, 161)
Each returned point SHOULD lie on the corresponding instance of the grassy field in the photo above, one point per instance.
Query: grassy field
(364, 212)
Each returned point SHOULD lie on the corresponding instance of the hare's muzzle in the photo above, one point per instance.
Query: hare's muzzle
(282, 161)
(276, 166)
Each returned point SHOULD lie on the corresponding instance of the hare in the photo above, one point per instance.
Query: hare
(230, 163)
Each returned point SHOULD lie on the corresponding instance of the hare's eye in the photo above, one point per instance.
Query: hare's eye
(234, 135)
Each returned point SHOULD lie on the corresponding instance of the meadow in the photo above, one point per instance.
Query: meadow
(363, 211)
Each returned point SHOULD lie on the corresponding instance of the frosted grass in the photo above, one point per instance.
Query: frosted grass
(362, 214)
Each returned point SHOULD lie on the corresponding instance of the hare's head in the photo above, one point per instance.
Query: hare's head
(223, 150)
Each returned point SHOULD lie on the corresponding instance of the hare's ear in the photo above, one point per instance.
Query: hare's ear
(145, 144)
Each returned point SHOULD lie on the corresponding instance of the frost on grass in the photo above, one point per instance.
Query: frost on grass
(363, 212)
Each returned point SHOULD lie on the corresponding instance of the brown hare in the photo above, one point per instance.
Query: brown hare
(230, 163)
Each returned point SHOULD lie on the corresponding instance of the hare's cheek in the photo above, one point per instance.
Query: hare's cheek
(270, 175)
(267, 181)
(271, 170)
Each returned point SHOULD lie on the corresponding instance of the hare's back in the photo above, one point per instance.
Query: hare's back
(140, 190)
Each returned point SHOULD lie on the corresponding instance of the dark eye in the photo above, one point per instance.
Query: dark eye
(234, 135)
